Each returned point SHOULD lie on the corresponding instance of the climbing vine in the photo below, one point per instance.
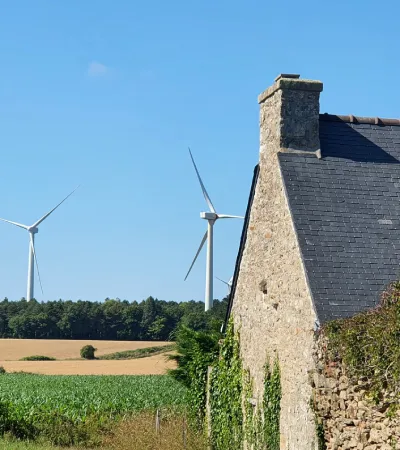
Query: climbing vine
(226, 390)
(272, 406)
(368, 344)
(235, 416)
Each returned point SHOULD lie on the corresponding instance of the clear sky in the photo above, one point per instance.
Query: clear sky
(110, 94)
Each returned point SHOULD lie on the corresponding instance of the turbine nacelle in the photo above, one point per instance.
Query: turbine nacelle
(33, 229)
(209, 215)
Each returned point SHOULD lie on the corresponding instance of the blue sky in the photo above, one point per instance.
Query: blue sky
(110, 94)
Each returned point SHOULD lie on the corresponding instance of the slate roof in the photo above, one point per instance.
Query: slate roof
(346, 212)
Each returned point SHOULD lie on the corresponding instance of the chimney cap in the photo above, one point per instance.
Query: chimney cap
(287, 75)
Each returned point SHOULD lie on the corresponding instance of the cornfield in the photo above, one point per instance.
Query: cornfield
(73, 409)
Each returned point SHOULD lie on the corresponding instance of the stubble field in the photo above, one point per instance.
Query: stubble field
(68, 360)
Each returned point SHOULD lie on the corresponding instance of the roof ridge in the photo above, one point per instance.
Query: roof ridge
(357, 119)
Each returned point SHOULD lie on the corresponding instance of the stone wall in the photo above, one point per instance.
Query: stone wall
(350, 419)
(272, 306)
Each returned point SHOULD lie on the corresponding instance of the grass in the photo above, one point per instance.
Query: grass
(72, 410)
(21, 445)
(38, 358)
(138, 353)
(140, 434)
(136, 433)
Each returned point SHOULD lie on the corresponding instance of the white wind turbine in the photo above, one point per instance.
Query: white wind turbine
(228, 283)
(32, 230)
(212, 216)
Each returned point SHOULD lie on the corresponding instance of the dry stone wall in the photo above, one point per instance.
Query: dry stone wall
(350, 419)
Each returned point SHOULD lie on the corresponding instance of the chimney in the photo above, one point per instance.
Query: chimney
(289, 115)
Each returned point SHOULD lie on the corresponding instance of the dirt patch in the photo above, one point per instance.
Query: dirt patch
(15, 349)
(153, 365)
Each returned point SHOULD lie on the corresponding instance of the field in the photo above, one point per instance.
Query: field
(79, 397)
(74, 409)
(15, 349)
(108, 408)
(68, 363)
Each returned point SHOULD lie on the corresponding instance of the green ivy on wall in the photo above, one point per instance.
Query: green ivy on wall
(234, 417)
(272, 406)
(368, 344)
(226, 397)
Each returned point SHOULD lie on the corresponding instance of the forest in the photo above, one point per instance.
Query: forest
(112, 319)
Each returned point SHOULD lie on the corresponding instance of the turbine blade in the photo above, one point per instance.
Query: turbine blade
(36, 262)
(227, 216)
(47, 215)
(222, 281)
(15, 223)
(197, 254)
(206, 196)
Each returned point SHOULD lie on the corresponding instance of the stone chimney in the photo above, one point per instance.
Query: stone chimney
(289, 116)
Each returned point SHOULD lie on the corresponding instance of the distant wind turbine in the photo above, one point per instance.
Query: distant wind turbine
(212, 216)
(228, 283)
(32, 230)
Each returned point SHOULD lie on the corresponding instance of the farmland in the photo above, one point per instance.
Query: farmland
(52, 401)
(73, 409)
(15, 349)
(152, 365)
(78, 397)
(68, 360)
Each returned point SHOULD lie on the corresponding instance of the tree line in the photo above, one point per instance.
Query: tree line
(113, 319)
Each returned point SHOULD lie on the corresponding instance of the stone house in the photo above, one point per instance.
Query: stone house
(321, 237)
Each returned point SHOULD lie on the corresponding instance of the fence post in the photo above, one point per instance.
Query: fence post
(184, 431)
(208, 408)
(157, 421)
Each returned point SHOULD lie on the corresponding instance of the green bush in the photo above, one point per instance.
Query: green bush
(2, 370)
(87, 352)
(196, 350)
(37, 358)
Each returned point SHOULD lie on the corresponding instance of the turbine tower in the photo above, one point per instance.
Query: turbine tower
(32, 230)
(211, 216)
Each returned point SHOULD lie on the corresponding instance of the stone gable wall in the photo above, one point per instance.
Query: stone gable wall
(272, 307)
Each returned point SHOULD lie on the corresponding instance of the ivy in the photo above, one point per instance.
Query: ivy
(226, 389)
(272, 406)
(320, 432)
(234, 416)
(368, 344)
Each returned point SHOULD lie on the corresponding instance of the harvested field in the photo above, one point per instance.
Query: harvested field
(15, 349)
(152, 365)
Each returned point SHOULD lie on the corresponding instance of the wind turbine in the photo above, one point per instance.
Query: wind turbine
(211, 216)
(228, 283)
(32, 230)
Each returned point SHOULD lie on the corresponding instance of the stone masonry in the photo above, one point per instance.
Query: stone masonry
(350, 419)
(272, 307)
